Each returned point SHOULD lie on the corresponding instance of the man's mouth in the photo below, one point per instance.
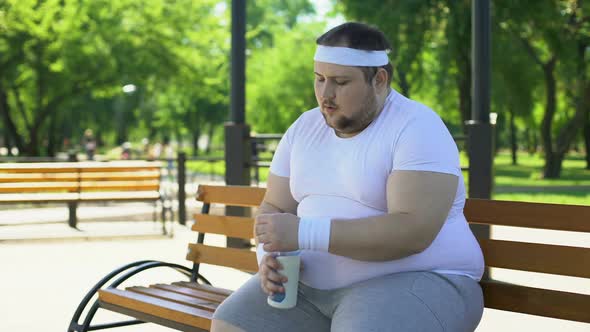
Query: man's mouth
(330, 108)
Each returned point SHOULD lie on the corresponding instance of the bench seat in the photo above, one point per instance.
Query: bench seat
(185, 306)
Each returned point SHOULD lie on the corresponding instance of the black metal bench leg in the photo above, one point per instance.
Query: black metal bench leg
(73, 220)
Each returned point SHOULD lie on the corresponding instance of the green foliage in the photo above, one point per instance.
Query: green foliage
(267, 19)
(63, 64)
(280, 80)
(68, 58)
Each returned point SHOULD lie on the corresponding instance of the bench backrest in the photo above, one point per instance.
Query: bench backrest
(17, 178)
(534, 257)
(531, 257)
(120, 176)
(38, 177)
(237, 227)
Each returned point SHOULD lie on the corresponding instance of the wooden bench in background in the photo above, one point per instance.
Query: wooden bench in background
(189, 305)
(78, 182)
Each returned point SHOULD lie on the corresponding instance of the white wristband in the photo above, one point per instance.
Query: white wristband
(314, 233)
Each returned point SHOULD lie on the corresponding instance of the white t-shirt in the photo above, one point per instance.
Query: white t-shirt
(346, 178)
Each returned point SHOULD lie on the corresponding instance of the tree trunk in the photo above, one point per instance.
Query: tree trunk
(196, 135)
(553, 166)
(551, 170)
(8, 124)
(587, 138)
(459, 37)
(513, 139)
(179, 140)
(209, 139)
(403, 82)
(32, 147)
(52, 137)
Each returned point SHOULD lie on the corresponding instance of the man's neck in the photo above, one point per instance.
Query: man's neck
(380, 102)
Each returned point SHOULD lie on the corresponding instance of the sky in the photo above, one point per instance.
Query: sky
(322, 8)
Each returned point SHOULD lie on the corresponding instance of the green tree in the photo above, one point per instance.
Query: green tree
(280, 79)
(426, 32)
(515, 85)
(56, 55)
(555, 34)
(267, 17)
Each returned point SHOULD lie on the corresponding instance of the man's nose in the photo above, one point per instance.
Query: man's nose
(328, 91)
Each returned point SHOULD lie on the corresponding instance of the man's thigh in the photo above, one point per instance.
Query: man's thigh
(247, 309)
(409, 302)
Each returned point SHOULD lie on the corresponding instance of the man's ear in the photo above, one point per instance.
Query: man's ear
(380, 79)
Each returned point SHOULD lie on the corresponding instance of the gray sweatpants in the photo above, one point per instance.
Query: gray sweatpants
(401, 302)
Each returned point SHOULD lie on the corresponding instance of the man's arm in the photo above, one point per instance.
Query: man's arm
(278, 198)
(418, 204)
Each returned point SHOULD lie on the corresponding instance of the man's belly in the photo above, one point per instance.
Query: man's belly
(454, 250)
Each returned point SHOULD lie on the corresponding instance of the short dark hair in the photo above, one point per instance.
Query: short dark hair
(359, 36)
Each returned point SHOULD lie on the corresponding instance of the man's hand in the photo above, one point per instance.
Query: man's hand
(270, 279)
(278, 232)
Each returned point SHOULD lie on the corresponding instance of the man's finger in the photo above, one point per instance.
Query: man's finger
(275, 277)
(262, 238)
(269, 246)
(260, 229)
(270, 261)
(262, 218)
(274, 287)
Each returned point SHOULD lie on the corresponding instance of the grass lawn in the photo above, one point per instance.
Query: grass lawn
(522, 182)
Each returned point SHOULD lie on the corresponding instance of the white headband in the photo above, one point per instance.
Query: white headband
(350, 56)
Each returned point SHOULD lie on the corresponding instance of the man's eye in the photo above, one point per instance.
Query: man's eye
(319, 79)
(341, 82)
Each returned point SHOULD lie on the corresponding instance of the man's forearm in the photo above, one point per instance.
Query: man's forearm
(381, 238)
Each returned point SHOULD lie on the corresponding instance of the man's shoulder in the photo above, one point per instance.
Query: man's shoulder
(412, 110)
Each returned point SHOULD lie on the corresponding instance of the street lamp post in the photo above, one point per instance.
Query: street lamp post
(237, 132)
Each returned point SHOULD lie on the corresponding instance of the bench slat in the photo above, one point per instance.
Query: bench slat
(524, 214)
(534, 257)
(241, 259)
(120, 196)
(192, 291)
(38, 187)
(240, 227)
(231, 195)
(36, 178)
(120, 176)
(37, 168)
(122, 168)
(150, 318)
(119, 185)
(175, 297)
(536, 301)
(203, 287)
(157, 307)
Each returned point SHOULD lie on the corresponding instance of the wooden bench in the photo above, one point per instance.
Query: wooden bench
(77, 182)
(189, 305)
